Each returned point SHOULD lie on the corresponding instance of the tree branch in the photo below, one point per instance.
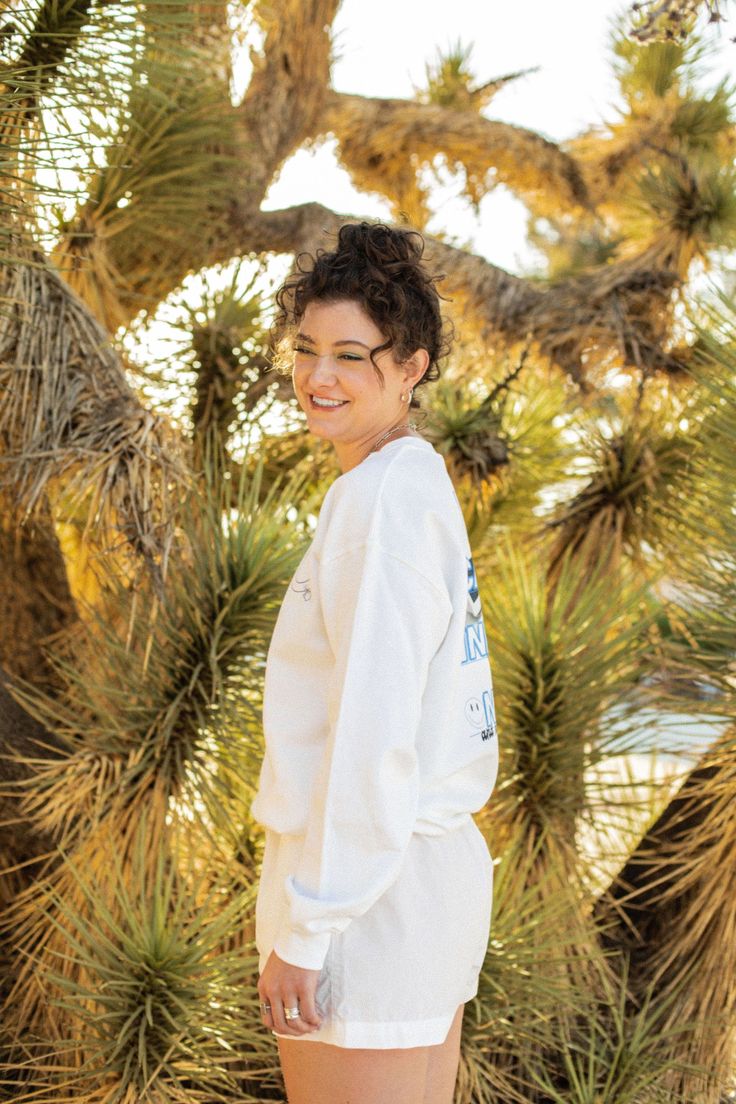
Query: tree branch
(624, 306)
(384, 142)
(670, 20)
(121, 260)
(286, 95)
(669, 912)
(67, 412)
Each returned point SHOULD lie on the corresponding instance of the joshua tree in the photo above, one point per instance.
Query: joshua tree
(153, 513)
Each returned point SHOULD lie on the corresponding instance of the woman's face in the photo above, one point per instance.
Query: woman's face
(336, 384)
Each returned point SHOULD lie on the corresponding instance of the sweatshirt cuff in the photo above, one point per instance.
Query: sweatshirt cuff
(306, 950)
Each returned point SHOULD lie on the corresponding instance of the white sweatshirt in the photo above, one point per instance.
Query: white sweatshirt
(378, 704)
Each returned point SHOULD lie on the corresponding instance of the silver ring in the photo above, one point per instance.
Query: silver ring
(265, 1007)
(291, 1013)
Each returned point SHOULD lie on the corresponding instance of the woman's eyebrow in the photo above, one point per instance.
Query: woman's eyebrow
(347, 341)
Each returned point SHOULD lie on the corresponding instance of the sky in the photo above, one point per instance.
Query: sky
(382, 47)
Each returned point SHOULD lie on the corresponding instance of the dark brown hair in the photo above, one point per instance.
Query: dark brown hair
(379, 267)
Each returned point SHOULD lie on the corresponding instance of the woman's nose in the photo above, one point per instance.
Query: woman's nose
(323, 367)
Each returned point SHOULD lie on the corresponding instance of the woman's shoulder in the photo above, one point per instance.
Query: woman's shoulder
(414, 475)
(399, 497)
(408, 473)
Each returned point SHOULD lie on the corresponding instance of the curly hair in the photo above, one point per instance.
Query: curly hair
(379, 267)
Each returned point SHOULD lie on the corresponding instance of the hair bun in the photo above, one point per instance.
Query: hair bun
(380, 244)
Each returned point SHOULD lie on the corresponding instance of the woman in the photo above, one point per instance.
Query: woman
(374, 903)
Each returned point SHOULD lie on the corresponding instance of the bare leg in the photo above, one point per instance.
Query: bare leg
(318, 1073)
(338, 1075)
(442, 1065)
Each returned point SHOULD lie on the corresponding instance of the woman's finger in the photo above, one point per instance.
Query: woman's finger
(308, 1008)
(292, 1027)
(293, 1018)
(265, 1006)
(277, 1015)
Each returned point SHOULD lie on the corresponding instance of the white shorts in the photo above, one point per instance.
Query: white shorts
(396, 976)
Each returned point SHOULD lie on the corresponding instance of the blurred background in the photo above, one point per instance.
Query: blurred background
(571, 166)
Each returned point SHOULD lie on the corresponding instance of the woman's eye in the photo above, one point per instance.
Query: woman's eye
(342, 356)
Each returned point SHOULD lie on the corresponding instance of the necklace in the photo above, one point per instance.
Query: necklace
(404, 425)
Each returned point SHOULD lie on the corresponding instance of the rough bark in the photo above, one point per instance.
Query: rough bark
(35, 600)
(669, 918)
(624, 306)
(286, 96)
(21, 736)
(67, 411)
(35, 606)
(383, 142)
(638, 909)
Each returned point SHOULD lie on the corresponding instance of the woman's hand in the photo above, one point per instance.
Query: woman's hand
(282, 986)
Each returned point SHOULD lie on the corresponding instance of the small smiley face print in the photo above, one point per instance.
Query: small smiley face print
(474, 712)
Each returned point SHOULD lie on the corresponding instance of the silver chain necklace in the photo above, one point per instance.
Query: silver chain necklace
(382, 438)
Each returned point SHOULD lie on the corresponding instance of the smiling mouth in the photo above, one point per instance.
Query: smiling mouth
(326, 404)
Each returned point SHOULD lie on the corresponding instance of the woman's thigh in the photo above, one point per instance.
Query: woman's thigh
(341, 1075)
(442, 1065)
(319, 1072)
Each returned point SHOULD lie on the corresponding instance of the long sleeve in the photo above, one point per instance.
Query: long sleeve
(384, 620)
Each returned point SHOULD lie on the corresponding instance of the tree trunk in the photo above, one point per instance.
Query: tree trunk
(35, 605)
(669, 913)
(35, 601)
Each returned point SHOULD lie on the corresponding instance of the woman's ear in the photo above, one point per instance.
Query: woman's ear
(415, 366)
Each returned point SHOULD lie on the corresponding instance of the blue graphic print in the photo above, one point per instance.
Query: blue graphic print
(476, 644)
(480, 712)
